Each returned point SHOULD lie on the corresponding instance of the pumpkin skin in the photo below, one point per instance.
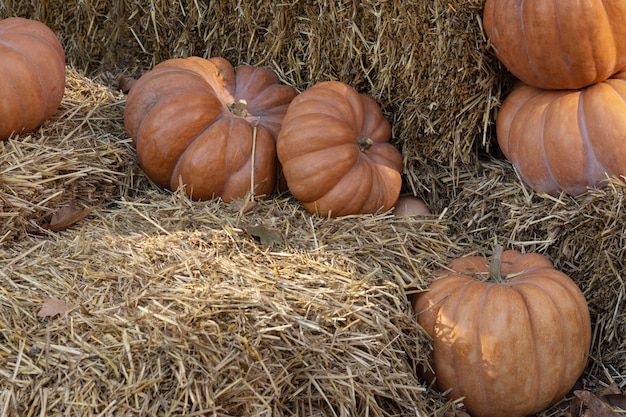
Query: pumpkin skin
(32, 75)
(334, 152)
(565, 140)
(558, 44)
(410, 206)
(200, 123)
(511, 348)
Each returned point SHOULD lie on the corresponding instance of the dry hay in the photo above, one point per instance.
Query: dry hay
(177, 308)
(427, 63)
(182, 308)
(74, 157)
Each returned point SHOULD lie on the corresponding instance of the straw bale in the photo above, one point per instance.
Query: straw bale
(427, 63)
(75, 156)
(200, 321)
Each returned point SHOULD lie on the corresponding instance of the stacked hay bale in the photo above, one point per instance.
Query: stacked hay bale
(409, 56)
(185, 308)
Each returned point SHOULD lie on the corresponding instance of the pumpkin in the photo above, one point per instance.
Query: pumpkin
(32, 75)
(335, 152)
(511, 336)
(558, 44)
(410, 206)
(565, 140)
(204, 125)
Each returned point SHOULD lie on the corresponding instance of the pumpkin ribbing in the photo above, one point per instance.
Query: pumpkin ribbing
(32, 75)
(511, 348)
(201, 124)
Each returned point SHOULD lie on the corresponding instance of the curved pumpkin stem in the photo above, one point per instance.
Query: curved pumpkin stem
(495, 266)
(365, 144)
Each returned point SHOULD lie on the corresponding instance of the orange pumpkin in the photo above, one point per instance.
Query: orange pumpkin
(32, 75)
(511, 336)
(335, 152)
(565, 140)
(199, 123)
(558, 44)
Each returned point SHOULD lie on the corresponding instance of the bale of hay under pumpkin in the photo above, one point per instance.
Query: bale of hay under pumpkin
(427, 63)
(187, 308)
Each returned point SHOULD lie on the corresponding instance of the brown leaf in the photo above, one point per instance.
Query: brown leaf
(244, 205)
(595, 405)
(266, 235)
(125, 83)
(612, 388)
(616, 400)
(66, 217)
(52, 307)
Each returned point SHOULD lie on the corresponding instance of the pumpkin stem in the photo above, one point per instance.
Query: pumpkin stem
(252, 163)
(495, 271)
(365, 144)
(239, 108)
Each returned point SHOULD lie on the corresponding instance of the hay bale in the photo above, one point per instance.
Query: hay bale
(178, 307)
(78, 155)
(199, 319)
(427, 63)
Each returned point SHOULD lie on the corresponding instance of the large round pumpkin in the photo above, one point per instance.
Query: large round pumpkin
(511, 336)
(558, 44)
(335, 152)
(199, 123)
(32, 75)
(566, 140)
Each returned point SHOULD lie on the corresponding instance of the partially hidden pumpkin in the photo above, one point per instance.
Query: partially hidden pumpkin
(201, 124)
(410, 206)
(32, 75)
(565, 140)
(558, 44)
(335, 152)
(510, 335)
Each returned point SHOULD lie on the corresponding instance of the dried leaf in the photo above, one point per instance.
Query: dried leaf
(266, 235)
(52, 307)
(611, 389)
(596, 406)
(66, 217)
(616, 400)
(244, 205)
(125, 83)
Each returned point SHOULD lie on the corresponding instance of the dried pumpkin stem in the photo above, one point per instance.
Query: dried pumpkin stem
(365, 144)
(239, 108)
(495, 267)
(252, 163)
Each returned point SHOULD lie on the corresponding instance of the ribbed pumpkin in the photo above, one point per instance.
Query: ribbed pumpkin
(565, 140)
(558, 44)
(199, 123)
(32, 75)
(335, 152)
(512, 335)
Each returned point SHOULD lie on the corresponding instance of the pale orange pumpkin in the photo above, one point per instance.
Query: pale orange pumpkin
(199, 123)
(565, 140)
(32, 75)
(511, 336)
(335, 152)
(558, 44)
